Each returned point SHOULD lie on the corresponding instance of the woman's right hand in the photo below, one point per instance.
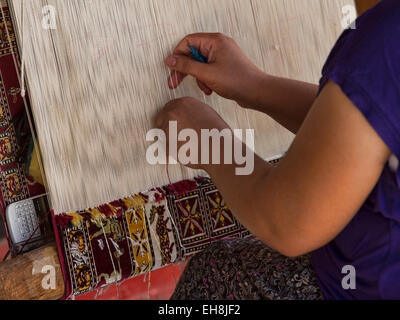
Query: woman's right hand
(228, 72)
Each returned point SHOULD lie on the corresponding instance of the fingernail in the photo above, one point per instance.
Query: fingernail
(171, 61)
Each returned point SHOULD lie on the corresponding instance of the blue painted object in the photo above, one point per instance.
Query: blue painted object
(197, 55)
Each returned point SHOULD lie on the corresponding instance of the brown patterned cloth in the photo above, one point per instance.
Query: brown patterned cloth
(246, 269)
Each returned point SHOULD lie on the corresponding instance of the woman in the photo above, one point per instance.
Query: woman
(330, 212)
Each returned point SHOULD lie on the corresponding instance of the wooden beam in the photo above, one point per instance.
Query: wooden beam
(364, 5)
(35, 275)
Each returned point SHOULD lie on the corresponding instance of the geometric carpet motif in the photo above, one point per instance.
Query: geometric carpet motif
(141, 233)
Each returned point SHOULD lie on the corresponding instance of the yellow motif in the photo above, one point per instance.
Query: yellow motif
(96, 216)
(138, 236)
(76, 218)
(83, 277)
(220, 210)
(109, 226)
(136, 201)
(14, 187)
(189, 220)
(5, 149)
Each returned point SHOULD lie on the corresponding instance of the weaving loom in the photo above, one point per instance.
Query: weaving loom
(95, 83)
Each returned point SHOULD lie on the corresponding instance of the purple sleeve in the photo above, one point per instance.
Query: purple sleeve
(366, 65)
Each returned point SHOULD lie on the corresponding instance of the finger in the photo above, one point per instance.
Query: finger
(175, 79)
(202, 41)
(203, 87)
(159, 120)
(185, 65)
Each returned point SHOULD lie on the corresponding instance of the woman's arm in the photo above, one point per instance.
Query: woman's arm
(286, 101)
(233, 76)
(304, 203)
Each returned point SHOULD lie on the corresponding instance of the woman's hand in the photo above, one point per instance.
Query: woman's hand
(228, 72)
(233, 76)
(190, 113)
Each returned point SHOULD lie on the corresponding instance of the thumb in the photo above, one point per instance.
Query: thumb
(186, 65)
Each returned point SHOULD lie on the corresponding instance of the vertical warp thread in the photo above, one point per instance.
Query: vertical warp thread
(72, 87)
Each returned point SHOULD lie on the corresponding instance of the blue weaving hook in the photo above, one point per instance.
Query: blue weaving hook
(197, 55)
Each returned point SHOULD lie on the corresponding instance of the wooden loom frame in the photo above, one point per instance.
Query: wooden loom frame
(21, 278)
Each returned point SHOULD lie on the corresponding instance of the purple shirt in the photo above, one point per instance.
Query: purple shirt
(365, 63)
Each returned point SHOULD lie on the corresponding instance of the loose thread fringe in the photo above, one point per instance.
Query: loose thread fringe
(116, 208)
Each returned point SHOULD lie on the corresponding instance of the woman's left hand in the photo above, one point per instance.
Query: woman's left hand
(193, 114)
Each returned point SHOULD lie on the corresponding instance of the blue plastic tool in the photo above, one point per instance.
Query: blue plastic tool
(197, 55)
